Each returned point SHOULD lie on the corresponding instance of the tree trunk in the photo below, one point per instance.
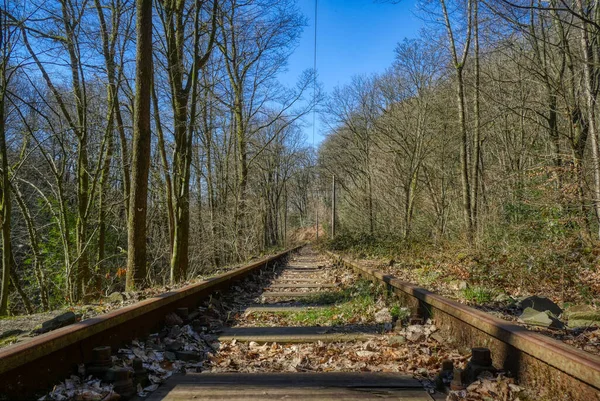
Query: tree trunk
(166, 168)
(183, 129)
(136, 227)
(5, 205)
(459, 65)
(104, 177)
(242, 146)
(37, 259)
(591, 95)
(15, 282)
(475, 170)
(207, 125)
(83, 266)
(181, 164)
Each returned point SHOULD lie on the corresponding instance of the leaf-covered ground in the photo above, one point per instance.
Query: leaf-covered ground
(449, 281)
(411, 349)
(26, 325)
(414, 349)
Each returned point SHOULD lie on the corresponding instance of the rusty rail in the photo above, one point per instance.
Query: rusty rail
(34, 366)
(554, 369)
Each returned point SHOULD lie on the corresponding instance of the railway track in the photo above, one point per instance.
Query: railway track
(306, 284)
(552, 369)
(271, 328)
(31, 368)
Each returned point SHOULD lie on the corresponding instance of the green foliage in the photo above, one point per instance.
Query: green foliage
(327, 298)
(479, 295)
(535, 248)
(335, 315)
(353, 303)
(427, 276)
(8, 340)
(399, 313)
(363, 244)
(362, 290)
(533, 214)
(52, 251)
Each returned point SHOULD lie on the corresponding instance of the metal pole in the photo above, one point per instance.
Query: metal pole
(317, 222)
(285, 215)
(333, 208)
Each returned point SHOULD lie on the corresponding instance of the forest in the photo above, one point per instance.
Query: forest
(227, 169)
(476, 153)
(145, 143)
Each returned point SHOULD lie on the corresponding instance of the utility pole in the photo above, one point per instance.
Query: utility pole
(317, 220)
(285, 215)
(333, 208)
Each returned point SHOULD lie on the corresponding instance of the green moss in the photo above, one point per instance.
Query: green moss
(8, 341)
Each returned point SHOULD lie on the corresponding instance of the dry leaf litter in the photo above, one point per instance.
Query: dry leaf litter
(186, 348)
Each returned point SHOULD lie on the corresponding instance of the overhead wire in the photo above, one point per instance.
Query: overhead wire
(314, 125)
(315, 74)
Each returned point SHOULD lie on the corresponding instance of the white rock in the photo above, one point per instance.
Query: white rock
(366, 354)
(383, 316)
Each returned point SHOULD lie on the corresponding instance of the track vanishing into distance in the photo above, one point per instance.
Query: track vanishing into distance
(291, 283)
(297, 288)
(32, 368)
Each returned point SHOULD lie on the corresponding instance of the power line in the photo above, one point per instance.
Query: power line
(314, 108)
(315, 73)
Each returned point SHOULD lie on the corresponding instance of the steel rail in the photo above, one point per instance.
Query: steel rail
(33, 366)
(557, 371)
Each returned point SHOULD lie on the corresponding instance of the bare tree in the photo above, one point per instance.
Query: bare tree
(184, 102)
(8, 33)
(136, 227)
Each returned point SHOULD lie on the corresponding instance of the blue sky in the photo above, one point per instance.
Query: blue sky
(354, 37)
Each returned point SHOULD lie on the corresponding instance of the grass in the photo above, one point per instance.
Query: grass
(479, 295)
(399, 313)
(350, 305)
(427, 277)
(346, 305)
(8, 341)
(362, 289)
(315, 317)
(531, 256)
(327, 298)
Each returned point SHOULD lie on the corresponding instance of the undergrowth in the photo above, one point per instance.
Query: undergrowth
(351, 305)
(479, 295)
(559, 265)
(8, 340)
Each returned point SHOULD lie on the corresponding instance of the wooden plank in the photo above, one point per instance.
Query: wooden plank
(301, 286)
(282, 309)
(325, 379)
(296, 335)
(292, 273)
(291, 386)
(292, 295)
(242, 393)
(299, 279)
(307, 263)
